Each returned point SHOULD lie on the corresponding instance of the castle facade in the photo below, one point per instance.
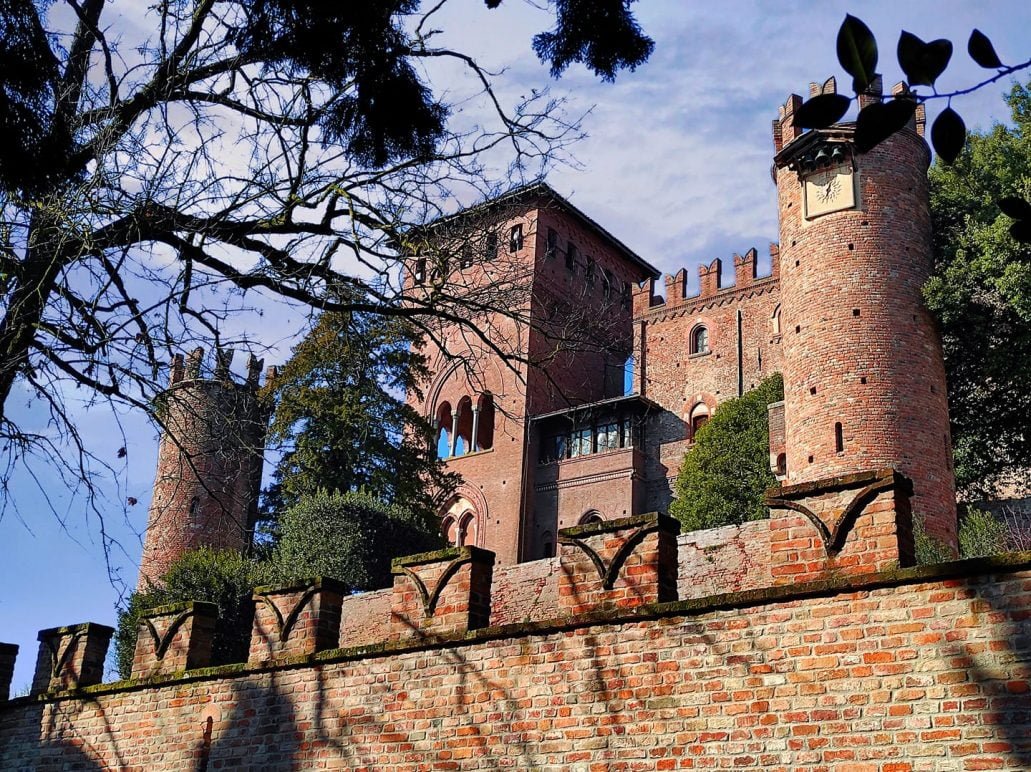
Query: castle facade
(598, 429)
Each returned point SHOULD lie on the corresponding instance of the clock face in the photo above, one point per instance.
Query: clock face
(830, 190)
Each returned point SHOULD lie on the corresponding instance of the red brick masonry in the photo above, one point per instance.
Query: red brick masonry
(926, 668)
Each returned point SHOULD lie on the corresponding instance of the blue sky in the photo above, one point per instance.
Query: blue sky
(676, 165)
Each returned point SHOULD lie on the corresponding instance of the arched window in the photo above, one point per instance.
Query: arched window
(700, 340)
(698, 418)
(591, 516)
(485, 422)
(444, 418)
(782, 465)
(775, 320)
(467, 530)
(628, 376)
(547, 545)
(450, 530)
(464, 427)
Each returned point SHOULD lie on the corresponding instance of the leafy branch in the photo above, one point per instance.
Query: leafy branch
(923, 63)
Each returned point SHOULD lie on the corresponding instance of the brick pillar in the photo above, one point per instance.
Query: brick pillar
(296, 619)
(442, 592)
(71, 657)
(8, 653)
(618, 563)
(851, 524)
(174, 638)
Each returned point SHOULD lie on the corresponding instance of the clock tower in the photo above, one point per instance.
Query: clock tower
(864, 377)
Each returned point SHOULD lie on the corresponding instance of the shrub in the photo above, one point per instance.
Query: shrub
(726, 473)
(981, 533)
(223, 577)
(350, 536)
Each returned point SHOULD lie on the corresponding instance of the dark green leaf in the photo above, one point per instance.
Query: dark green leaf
(880, 120)
(982, 51)
(948, 135)
(1014, 207)
(821, 111)
(857, 52)
(923, 62)
(1021, 231)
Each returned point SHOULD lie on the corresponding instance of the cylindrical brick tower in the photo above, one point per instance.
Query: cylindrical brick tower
(209, 463)
(864, 377)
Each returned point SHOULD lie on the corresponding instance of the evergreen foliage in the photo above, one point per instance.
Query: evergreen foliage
(351, 537)
(223, 577)
(727, 471)
(981, 294)
(342, 418)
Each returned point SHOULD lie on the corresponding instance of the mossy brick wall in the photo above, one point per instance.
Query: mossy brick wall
(923, 669)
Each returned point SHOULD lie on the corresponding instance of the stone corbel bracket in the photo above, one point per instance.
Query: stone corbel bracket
(835, 523)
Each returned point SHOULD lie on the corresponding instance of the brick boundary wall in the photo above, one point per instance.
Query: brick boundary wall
(925, 668)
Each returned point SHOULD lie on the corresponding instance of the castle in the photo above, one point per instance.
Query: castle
(570, 624)
(584, 390)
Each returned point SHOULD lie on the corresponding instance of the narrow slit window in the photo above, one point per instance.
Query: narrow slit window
(552, 247)
(515, 238)
(839, 438)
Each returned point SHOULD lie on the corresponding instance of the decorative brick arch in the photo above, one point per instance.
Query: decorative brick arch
(437, 386)
(694, 405)
(477, 505)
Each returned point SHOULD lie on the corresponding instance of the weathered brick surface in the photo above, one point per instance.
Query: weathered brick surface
(174, 638)
(527, 592)
(296, 619)
(728, 559)
(904, 674)
(365, 618)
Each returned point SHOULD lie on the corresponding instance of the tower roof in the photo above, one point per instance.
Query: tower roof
(545, 191)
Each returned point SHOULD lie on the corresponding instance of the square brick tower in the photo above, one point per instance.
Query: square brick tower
(541, 297)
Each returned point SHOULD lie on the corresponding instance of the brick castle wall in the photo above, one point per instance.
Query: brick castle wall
(744, 348)
(916, 670)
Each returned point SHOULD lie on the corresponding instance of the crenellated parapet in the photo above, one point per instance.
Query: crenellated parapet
(622, 568)
(71, 657)
(174, 638)
(191, 368)
(710, 282)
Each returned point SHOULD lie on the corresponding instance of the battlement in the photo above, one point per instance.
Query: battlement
(191, 368)
(785, 132)
(710, 281)
(612, 566)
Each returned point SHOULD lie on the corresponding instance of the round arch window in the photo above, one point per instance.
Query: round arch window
(700, 340)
